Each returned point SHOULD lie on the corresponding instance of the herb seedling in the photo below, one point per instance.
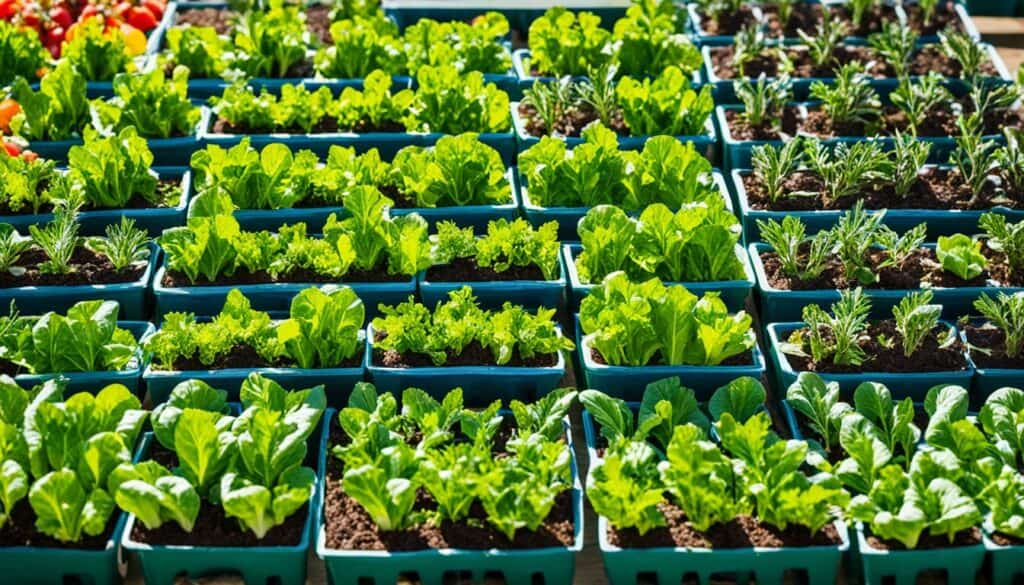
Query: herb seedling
(896, 44)
(837, 336)
(856, 233)
(850, 101)
(1007, 313)
(750, 45)
(1005, 237)
(12, 246)
(858, 9)
(599, 92)
(915, 318)
(550, 100)
(824, 43)
(916, 99)
(1010, 159)
(966, 51)
(849, 169)
(788, 237)
(124, 245)
(927, 9)
(974, 156)
(907, 157)
(58, 239)
(763, 101)
(774, 165)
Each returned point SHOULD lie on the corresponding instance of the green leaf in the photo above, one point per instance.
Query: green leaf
(741, 398)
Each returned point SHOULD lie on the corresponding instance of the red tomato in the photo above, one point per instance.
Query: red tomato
(30, 18)
(156, 7)
(11, 148)
(89, 11)
(122, 8)
(8, 9)
(141, 18)
(61, 16)
(8, 109)
(54, 36)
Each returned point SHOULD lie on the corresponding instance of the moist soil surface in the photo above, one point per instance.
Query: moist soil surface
(20, 530)
(921, 268)
(298, 275)
(727, 24)
(214, 528)
(935, 188)
(473, 354)
(928, 541)
(467, 270)
(221, 20)
(87, 267)
(742, 532)
(349, 527)
(327, 125)
(741, 129)
(928, 58)
(318, 21)
(942, 19)
(931, 356)
(570, 124)
(940, 121)
(244, 356)
(744, 359)
(987, 337)
(803, 16)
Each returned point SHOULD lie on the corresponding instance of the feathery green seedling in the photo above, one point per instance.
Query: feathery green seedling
(1005, 237)
(824, 43)
(916, 99)
(974, 156)
(850, 100)
(847, 170)
(966, 51)
(1010, 159)
(906, 159)
(835, 336)
(786, 239)
(599, 92)
(1007, 313)
(896, 44)
(773, 166)
(915, 318)
(763, 101)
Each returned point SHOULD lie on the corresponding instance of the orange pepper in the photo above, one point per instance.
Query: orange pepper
(8, 110)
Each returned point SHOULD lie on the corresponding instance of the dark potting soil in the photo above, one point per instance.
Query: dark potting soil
(299, 275)
(742, 532)
(928, 58)
(943, 18)
(87, 267)
(467, 270)
(349, 527)
(934, 189)
(221, 20)
(740, 129)
(744, 359)
(572, 122)
(318, 21)
(1005, 539)
(214, 528)
(927, 541)
(921, 268)
(20, 530)
(244, 356)
(939, 121)
(727, 24)
(327, 125)
(473, 354)
(9, 368)
(992, 339)
(803, 16)
(931, 356)
(873, 21)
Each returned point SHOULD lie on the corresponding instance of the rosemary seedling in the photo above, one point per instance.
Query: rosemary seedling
(915, 318)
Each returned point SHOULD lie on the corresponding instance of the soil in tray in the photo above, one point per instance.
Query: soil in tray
(931, 356)
(300, 275)
(87, 267)
(473, 354)
(742, 532)
(744, 359)
(1005, 539)
(803, 16)
(244, 356)
(727, 24)
(318, 21)
(570, 124)
(20, 530)
(921, 268)
(935, 188)
(993, 340)
(467, 270)
(168, 195)
(326, 125)
(928, 58)
(347, 526)
(943, 18)
(937, 123)
(928, 541)
(740, 129)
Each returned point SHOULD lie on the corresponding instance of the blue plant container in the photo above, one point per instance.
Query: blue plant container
(706, 144)
(941, 222)
(493, 294)
(902, 384)
(768, 566)
(355, 567)
(1007, 561)
(959, 563)
(94, 223)
(779, 305)
(167, 152)
(629, 382)
(162, 564)
(338, 382)
(568, 218)
(315, 218)
(801, 86)
(733, 292)
(132, 296)
(475, 216)
(41, 565)
(207, 300)
(96, 381)
(481, 384)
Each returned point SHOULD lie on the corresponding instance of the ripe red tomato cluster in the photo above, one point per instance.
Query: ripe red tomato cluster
(55, 20)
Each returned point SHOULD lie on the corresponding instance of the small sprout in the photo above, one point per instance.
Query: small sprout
(916, 99)
(974, 156)
(788, 238)
(906, 159)
(550, 100)
(1010, 160)
(966, 51)
(858, 9)
(773, 165)
(915, 319)
(896, 44)
(849, 169)
(599, 92)
(1007, 313)
(900, 248)
(58, 240)
(763, 101)
(850, 100)
(1005, 237)
(856, 233)
(837, 336)
(927, 8)
(124, 245)
(823, 45)
(749, 45)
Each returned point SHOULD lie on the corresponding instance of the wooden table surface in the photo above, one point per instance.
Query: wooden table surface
(1007, 34)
